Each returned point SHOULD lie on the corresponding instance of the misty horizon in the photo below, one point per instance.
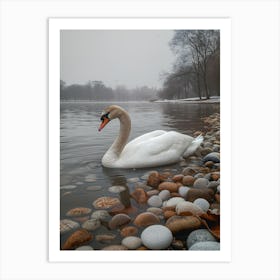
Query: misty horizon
(130, 58)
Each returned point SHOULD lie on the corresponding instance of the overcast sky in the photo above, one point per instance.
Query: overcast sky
(122, 57)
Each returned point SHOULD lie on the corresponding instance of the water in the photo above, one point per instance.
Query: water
(82, 146)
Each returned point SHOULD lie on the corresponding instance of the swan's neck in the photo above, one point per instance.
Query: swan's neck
(121, 140)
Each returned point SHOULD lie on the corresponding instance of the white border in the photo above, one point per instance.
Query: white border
(55, 25)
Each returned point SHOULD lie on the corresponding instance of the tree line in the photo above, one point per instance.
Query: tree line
(98, 91)
(196, 71)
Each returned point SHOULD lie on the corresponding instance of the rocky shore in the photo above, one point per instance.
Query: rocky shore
(165, 210)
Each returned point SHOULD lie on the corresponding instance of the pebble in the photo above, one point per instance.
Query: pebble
(154, 201)
(170, 186)
(188, 171)
(182, 223)
(119, 220)
(146, 219)
(188, 180)
(152, 192)
(91, 224)
(78, 212)
(139, 195)
(214, 156)
(198, 175)
(172, 202)
(199, 235)
(116, 189)
(218, 189)
(132, 242)
(76, 239)
(105, 202)
(114, 247)
(84, 248)
(177, 178)
(201, 183)
(129, 231)
(153, 179)
(155, 210)
(101, 215)
(157, 237)
(68, 187)
(202, 203)
(68, 225)
(90, 178)
(205, 193)
(205, 246)
(183, 191)
(133, 180)
(105, 238)
(94, 188)
(164, 195)
(186, 208)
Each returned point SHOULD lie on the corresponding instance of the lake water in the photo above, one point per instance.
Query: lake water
(82, 146)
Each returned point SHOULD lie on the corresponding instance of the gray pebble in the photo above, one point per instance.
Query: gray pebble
(205, 246)
(200, 183)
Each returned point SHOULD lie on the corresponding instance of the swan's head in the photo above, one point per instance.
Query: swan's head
(110, 113)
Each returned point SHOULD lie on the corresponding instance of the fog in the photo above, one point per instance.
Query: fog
(122, 57)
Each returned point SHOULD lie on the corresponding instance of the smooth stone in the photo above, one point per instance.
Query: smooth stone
(214, 156)
(172, 202)
(146, 219)
(114, 247)
(153, 179)
(187, 208)
(105, 238)
(169, 213)
(198, 175)
(78, 212)
(90, 178)
(202, 203)
(215, 176)
(105, 202)
(188, 171)
(218, 189)
(154, 201)
(101, 215)
(206, 193)
(201, 183)
(213, 185)
(206, 151)
(188, 180)
(170, 186)
(182, 223)
(119, 220)
(183, 191)
(68, 187)
(94, 188)
(68, 225)
(132, 242)
(129, 231)
(116, 189)
(164, 195)
(84, 248)
(177, 178)
(152, 192)
(199, 235)
(91, 224)
(157, 237)
(205, 246)
(76, 239)
(133, 180)
(155, 210)
(139, 195)
(207, 176)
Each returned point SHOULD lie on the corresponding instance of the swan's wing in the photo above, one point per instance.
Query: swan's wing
(164, 148)
(146, 136)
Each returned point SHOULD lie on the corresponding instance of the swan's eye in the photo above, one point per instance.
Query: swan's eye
(105, 116)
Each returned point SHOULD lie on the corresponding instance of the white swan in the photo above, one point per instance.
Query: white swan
(152, 149)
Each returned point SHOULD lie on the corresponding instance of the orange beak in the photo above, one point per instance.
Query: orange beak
(103, 124)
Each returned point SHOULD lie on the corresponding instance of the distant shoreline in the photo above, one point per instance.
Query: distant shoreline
(189, 100)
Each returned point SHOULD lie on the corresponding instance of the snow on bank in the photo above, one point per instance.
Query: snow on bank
(213, 99)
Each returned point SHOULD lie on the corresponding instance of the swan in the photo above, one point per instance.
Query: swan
(152, 149)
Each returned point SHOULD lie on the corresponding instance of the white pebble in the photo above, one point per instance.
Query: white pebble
(155, 201)
(183, 191)
(164, 195)
(202, 203)
(132, 242)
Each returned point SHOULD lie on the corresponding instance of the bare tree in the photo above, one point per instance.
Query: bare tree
(195, 48)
